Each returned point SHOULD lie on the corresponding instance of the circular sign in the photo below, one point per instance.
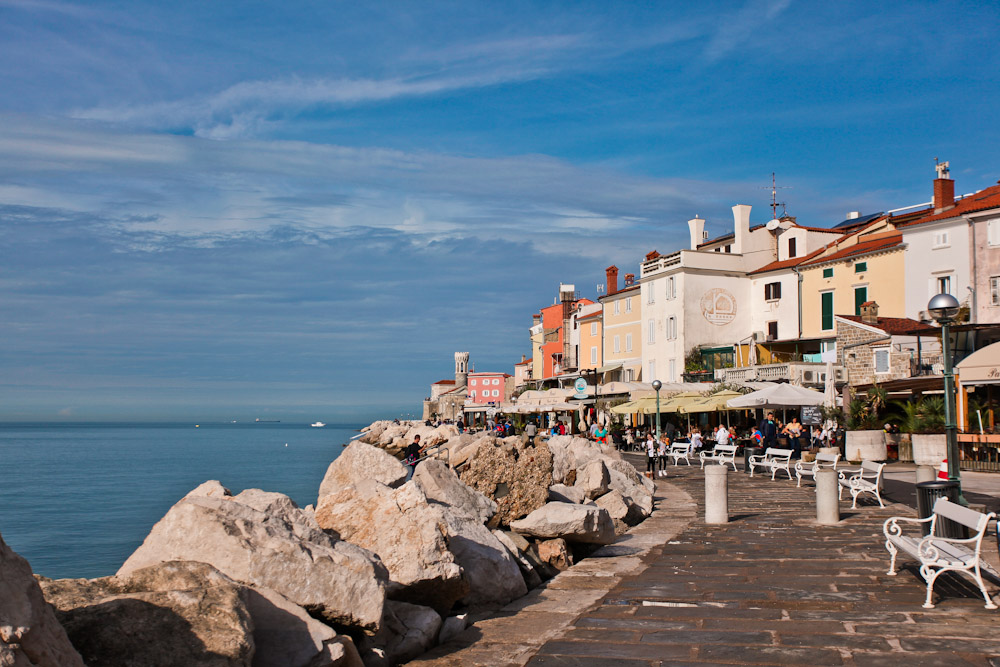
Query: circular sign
(718, 306)
(580, 385)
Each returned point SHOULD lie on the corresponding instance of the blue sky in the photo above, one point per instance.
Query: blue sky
(294, 210)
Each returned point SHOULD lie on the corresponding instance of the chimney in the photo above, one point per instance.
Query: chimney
(612, 278)
(853, 215)
(944, 188)
(629, 279)
(741, 237)
(650, 256)
(869, 312)
(697, 229)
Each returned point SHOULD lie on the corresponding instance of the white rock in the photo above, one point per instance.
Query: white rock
(30, 635)
(286, 551)
(621, 507)
(440, 484)
(531, 577)
(358, 462)
(567, 494)
(452, 627)
(491, 572)
(593, 479)
(409, 630)
(575, 523)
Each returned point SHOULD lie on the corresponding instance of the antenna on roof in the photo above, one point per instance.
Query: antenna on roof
(774, 187)
(600, 288)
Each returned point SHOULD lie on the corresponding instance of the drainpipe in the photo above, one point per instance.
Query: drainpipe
(798, 289)
(973, 315)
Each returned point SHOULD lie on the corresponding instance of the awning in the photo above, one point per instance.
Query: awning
(981, 367)
(609, 367)
(778, 396)
(712, 403)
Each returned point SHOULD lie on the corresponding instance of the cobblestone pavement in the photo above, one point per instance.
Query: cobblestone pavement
(774, 587)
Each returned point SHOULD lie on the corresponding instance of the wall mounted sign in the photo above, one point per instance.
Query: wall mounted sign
(718, 306)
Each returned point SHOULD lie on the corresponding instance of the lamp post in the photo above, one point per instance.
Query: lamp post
(943, 308)
(656, 385)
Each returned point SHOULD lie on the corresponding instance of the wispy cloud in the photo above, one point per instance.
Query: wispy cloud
(736, 30)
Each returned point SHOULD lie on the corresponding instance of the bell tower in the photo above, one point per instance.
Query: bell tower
(461, 369)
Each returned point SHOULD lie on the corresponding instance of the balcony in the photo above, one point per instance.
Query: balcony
(798, 372)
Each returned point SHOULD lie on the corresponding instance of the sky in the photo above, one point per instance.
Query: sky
(301, 210)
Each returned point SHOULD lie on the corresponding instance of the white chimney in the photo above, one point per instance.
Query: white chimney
(741, 237)
(854, 215)
(697, 227)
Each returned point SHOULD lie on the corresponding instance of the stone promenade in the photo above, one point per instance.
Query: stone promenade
(770, 587)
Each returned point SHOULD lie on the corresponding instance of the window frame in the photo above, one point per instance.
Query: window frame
(828, 272)
(823, 297)
(995, 290)
(876, 352)
(860, 267)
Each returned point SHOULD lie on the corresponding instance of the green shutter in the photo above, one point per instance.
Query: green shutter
(828, 273)
(827, 310)
(861, 267)
(860, 296)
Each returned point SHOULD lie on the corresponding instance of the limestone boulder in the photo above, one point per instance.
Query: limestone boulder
(464, 447)
(452, 627)
(407, 534)
(518, 479)
(282, 548)
(572, 452)
(360, 461)
(491, 572)
(627, 469)
(409, 630)
(567, 494)
(177, 613)
(30, 634)
(531, 577)
(556, 553)
(440, 484)
(593, 479)
(634, 491)
(621, 508)
(576, 523)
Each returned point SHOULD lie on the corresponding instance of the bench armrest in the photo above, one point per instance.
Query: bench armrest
(844, 472)
(891, 527)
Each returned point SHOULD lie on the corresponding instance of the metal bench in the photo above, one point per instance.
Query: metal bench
(774, 459)
(866, 479)
(722, 454)
(679, 451)
(822, 462)
(938, 554)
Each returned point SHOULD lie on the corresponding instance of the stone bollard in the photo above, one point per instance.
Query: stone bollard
(926, 474)
(716, 494)
(827, 500)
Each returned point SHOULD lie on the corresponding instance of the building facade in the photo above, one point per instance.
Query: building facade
(622, 310)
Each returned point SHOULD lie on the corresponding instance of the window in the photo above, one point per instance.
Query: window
(944, 285)
(729, 248)
(651, 370)
(995, 291)
(617, 309)
(673, 370)
(628, 342)
(649, 293)
(772, 331)
(941, 240)
(629, 375)
(651, 331)
(618, 344)
(671, 328)
(593, 328)
(826, 303)
(861, 267)
(993, 232)
(881, 360)
(828, 273)
(496, 392)
(860, 296)
(791, 248)
(628, 305)
(772, 291)
(671, 288)
(593, 355)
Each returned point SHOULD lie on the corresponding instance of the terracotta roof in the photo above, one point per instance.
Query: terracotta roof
(862, 248)
(787, 263)
(890, 325)
(445, 382)
(980, 201)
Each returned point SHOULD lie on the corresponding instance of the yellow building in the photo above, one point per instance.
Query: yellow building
(590, 320)
(622, 329)
(848, 273)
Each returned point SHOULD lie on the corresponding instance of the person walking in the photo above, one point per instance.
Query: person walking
(661, 454)
(530, 431)
(411, 456)
(769, 429)
(650, 456)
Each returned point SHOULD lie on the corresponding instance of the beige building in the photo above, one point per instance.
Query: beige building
(590, 324)
(866, 267)
(622, 329)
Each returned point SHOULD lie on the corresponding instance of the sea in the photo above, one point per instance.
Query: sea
(77, 499)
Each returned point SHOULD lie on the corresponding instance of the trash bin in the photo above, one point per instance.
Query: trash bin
(927, 495)
(747, 453)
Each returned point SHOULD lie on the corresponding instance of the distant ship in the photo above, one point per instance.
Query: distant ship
(318, 425)
(267, 421)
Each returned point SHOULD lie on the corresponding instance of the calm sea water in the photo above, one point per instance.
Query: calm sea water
(77, 499)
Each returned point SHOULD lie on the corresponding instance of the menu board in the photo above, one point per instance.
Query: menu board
(812, 415)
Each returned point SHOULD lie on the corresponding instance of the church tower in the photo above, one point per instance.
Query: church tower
(461, 369)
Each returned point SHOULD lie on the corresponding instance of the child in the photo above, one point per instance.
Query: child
(661, 452)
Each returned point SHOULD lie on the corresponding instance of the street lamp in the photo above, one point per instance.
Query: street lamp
(943, 308)
(656, 385)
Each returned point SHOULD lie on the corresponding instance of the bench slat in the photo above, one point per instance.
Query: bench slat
(959, 514)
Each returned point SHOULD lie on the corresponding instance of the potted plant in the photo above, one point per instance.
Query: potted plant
(923, 419)
(865, 438)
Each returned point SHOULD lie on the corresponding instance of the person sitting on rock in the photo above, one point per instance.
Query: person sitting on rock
(411, 456)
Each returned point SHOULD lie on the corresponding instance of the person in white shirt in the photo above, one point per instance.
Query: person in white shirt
(722, 435)
(695, 438)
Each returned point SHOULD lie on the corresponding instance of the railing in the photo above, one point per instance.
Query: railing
(802, 372)
(979, 452)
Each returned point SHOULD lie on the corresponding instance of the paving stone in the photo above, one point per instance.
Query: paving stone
(581, 661)
(615, 651)
(779, 655)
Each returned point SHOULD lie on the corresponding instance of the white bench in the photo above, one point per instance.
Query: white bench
(722, 454)
(774, 459)
(822, 462)
(941, 554)
(680, 450)
(866, 479)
